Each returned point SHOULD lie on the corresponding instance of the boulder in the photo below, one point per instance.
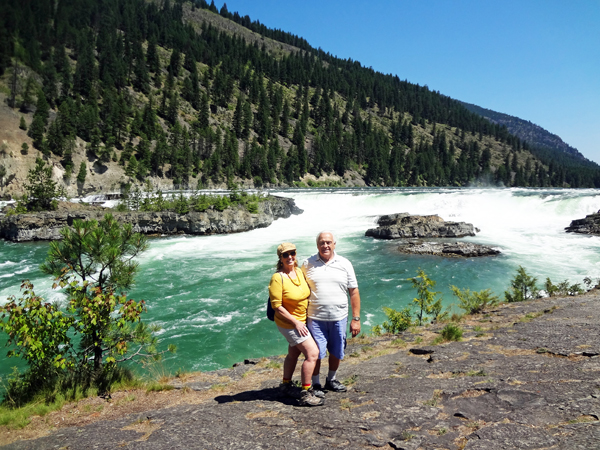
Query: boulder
(404, 225)
(589, 225)
(47, 225)
(447, 249)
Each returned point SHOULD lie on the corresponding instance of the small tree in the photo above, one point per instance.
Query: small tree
(42, 191)
(101, 255)
(474, 302)
(82, 172)
(428, 302)
(523, 287)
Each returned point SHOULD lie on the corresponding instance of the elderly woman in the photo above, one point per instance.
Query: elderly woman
(289, 293)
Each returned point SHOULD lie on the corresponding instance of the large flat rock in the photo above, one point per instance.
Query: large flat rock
(525, 376)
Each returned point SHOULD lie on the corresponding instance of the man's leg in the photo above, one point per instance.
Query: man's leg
(336, 346)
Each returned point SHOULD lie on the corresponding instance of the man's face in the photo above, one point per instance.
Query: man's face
(326, 246)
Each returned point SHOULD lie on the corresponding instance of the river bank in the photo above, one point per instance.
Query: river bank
(525, 375)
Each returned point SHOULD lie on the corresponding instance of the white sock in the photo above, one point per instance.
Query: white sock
(331, 375)
(315, 380)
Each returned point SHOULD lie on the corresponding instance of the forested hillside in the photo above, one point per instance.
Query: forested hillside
(180, 93)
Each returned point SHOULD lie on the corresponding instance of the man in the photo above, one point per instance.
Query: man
(331, 278)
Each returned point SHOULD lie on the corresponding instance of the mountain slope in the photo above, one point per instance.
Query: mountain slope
(177, 94)
(529, 132)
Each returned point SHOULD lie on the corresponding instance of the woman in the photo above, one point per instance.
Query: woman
(289, 298)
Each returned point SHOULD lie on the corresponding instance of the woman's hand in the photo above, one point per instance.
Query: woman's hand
(301, 328)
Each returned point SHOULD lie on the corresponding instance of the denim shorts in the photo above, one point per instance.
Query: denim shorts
(292, 336)
(329, 336)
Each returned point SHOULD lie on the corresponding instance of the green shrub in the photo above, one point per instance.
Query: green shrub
(452, 332)
(252, 207)
(522, 287)
(397, 320)
(474, 302)
(563, 288)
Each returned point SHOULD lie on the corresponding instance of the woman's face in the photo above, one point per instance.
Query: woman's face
(288, 258)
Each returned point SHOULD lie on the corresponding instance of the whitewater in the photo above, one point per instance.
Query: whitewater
(208, 293)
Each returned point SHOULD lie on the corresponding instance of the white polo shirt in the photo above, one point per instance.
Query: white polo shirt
(329, 283)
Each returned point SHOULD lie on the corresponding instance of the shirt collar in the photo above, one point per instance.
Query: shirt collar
(333, 258)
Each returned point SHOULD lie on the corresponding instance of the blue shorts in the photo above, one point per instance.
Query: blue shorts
(329, 336)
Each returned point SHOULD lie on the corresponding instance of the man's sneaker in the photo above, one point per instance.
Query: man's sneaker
(289, 390)
(317, 390)
(335, 386)
(308, 398)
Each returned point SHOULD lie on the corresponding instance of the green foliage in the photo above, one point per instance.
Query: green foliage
(427, 301)
(452, 332)
(42, 191)
(82, 172)
(81, 344)
(523, 287)
(98, 252)
(38, 331)
(398, 321)
(562, 289)
(252, 207)
(473, 302)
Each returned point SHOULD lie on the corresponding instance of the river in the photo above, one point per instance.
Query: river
(208, 293)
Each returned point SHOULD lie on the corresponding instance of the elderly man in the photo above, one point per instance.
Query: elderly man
(331, 278)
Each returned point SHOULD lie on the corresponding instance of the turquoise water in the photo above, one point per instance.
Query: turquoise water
(209, 292)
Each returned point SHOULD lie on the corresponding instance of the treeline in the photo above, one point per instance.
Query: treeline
(147, 90)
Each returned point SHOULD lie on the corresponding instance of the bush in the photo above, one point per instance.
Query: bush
(397, 320)
(474, 302)
(562, 289)
(452, 332)
(523, 287)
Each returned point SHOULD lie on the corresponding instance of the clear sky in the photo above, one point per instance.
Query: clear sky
(538, 60)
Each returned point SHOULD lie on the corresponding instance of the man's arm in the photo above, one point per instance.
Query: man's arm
(355, 304)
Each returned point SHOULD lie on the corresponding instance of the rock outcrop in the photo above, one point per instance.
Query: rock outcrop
(589, 225)
(525, 376)
(47, 225)
(448, 249)
(404, 225)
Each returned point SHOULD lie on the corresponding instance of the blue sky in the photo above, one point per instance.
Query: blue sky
(535, 59)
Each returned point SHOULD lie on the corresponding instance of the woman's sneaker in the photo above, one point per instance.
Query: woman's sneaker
(289, 390)
(308, 398)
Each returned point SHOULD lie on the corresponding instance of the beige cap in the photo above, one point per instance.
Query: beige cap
(285, 247)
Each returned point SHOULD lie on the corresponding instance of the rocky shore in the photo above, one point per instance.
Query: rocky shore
(47, 225)
(404, 225)
(525, 376)
(588, 225)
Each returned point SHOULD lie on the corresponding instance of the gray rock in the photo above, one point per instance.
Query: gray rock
(494, 391)
(589, 225)
(404, 225)
(454, 249)
(47, 225)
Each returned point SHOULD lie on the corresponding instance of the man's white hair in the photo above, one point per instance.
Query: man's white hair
(326, 232)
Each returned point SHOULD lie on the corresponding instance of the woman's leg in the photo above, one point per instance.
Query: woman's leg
(289, 364)
(311, 353)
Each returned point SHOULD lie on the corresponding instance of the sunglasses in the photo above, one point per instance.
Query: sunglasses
(288, 254)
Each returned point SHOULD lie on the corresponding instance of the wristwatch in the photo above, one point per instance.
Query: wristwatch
(357, 318)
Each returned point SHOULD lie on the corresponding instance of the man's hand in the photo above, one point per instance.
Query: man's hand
(355, 304)
(355, 327)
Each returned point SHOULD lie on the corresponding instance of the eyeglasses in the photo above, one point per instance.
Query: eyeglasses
(288, 254)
